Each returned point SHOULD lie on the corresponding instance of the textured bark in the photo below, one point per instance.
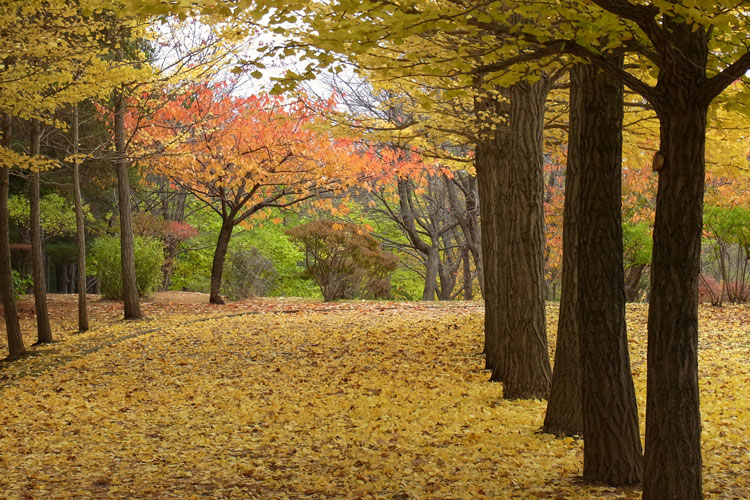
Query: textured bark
(612, 445)
(523, 360)
(83, 315)
(468, 280)
(44, 331)
(673, 422)
(565, 407)
(432, 264)
(220, 255)
(7, 293)
(131, 304)
(632, 282)
(486, 166)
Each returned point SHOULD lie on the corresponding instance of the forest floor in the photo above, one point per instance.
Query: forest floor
(286, 398)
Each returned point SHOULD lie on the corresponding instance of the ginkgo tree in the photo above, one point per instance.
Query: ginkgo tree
(53, 57)
(242, 156)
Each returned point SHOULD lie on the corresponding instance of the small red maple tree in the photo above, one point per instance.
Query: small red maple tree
(244, 155)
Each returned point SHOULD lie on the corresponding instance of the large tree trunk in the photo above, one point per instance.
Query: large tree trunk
(522, 361)
(673, 422)
(220, 255)
(612, 444)
(83, 315)
(131, 304)
(565, 407)
(7, 293)
(44, 331)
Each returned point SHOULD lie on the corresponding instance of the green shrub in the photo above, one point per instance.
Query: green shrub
(21, 283)
(248, 273)
(105, 262)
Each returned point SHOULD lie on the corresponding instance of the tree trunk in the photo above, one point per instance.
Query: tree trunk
(632, 282)
(524, 367)
(474, 236)
(487, 174)
(432, 262)
(131, 304)
(673, 423)
(170, 250)
(612, 444)
(61, 277)
(7, 293)
(468, 280)
(565, 407)
(220, 254)
(83, 315)
(44, 331)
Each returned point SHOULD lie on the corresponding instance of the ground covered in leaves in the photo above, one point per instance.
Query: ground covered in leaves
(287, 399)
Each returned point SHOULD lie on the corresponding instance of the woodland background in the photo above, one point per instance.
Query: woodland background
(591, 153)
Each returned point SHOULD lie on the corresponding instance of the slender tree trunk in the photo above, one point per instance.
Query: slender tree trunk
(673, 422)
(170, 250)
(131, 304)
(487, 162)
(432, 262)
(220, 254)
(61, 277)
(474, 235)
(83, 315)
(468, 280)
(44, 331)
(612, 444)
(565, 407)
(522, 360)
(7, 293)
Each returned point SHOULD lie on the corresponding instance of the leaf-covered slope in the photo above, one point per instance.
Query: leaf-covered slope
(381, 401)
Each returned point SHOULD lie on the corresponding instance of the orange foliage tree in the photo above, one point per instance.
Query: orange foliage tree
(245, 155)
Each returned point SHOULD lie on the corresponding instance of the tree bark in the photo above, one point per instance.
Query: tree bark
(612, 444)
(632, 282)
(220, 254)
(83, 315)
(131, 304)
(486, 159)
(468, 279)
(522, 360)
(432, 262)
(7, 293)
(673, 422)
(565, 407)
(44, 331)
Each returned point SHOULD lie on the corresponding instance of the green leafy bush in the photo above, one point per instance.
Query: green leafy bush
(21, 283)
(105, 262)
(344, 260)
(248, 273)
(727, 239)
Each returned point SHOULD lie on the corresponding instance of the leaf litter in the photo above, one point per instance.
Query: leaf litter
(348, 400)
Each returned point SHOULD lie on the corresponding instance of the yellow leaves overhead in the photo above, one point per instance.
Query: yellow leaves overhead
(348, 400)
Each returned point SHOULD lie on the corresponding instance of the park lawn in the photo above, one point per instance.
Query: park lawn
(289, 399)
